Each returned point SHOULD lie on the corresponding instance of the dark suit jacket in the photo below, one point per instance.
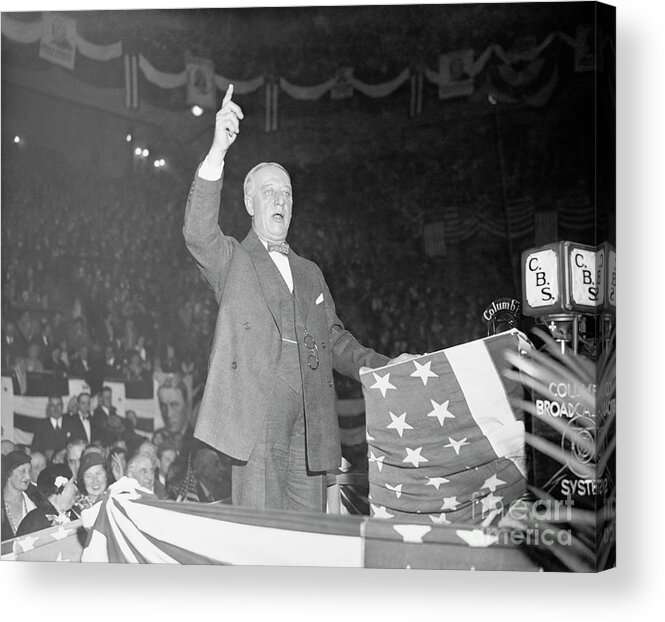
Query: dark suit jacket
(245, 382)
(46, 438)
(78, 431)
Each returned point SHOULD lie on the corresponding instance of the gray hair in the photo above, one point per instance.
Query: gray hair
(248, 185)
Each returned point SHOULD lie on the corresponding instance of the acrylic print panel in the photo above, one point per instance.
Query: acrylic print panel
(429, 147)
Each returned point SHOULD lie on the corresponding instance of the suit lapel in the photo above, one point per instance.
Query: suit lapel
(268, 274)
(301, 285)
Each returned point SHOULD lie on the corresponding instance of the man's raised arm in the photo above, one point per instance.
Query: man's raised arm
(203, 237)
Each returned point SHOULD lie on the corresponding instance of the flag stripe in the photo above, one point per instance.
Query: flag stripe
(486, 398)
(235, 543)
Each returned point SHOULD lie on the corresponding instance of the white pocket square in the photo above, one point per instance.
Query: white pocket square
(319, 300)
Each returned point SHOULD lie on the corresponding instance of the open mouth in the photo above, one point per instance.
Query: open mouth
(278, 217)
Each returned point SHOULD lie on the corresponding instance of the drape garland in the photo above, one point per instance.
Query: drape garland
(30, 32)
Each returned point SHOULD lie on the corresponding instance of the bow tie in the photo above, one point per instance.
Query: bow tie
(279, 248)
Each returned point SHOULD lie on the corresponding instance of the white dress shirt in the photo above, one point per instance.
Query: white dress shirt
(86, 426)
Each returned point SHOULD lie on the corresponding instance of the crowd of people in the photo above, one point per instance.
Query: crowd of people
(74, 458)
(96, 279)
(97, 283)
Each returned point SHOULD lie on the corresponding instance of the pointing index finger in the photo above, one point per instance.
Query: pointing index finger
(228, 95)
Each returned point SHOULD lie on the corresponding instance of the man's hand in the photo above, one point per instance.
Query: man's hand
(403, 357)
(399, 359)
(227, 127)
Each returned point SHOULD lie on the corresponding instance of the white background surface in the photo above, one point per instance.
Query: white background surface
(192, 593)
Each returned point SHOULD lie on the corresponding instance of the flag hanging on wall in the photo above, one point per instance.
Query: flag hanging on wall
(444, 443)
(201, 89)
(58, 40)
(455, 74)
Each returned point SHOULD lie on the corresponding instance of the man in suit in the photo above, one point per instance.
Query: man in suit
(14, 345)
(269, 400)
(213, 476)
(101, 414)
(81, 421)
(54, 432)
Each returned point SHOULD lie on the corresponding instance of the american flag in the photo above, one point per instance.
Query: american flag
(444, 444)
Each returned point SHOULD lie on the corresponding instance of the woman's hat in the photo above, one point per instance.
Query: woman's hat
(53, 479)
(91, 459)
(14, 459)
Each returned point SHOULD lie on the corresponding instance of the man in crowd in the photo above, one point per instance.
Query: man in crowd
(14, 345)
(53, 433)
(130, 436)
(213, 474)
(101, 414)
(75, 449)
(37, 465)
(174, 404)
(166, 455)
(142, 469)
(269, 400)
(81, 420)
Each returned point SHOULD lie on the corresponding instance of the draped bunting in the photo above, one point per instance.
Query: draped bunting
(306, 92)
(460, 224)
(30, 32)
(131, 526)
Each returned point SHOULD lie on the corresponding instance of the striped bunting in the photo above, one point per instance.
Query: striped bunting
(131, 526)
(21, 412)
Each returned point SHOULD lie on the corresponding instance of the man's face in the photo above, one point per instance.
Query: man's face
(168, 456)
(84, 404)
(174, 409)
(106, 398)
(270, 203)
(54, 407)
(74, 458)
(37, 465)
(143, 472)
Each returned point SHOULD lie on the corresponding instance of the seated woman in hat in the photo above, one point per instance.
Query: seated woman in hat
(57, 485)
(93, 479)
(19, 496)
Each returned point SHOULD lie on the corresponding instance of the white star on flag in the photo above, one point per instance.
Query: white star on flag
(369, 438)
(382, 383)
(441, 411)
(378, 459)
(27, 543)
(60, 533)
(60, 559)
(414, 457)
(413, 534)
(399, 423)
(423, 372)
(492, 483)
(396, 489)
(449, 503)
(436, 481)
(379, 511)
(489, 502)
(477, 538)
(440, 519)
(456, 445)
